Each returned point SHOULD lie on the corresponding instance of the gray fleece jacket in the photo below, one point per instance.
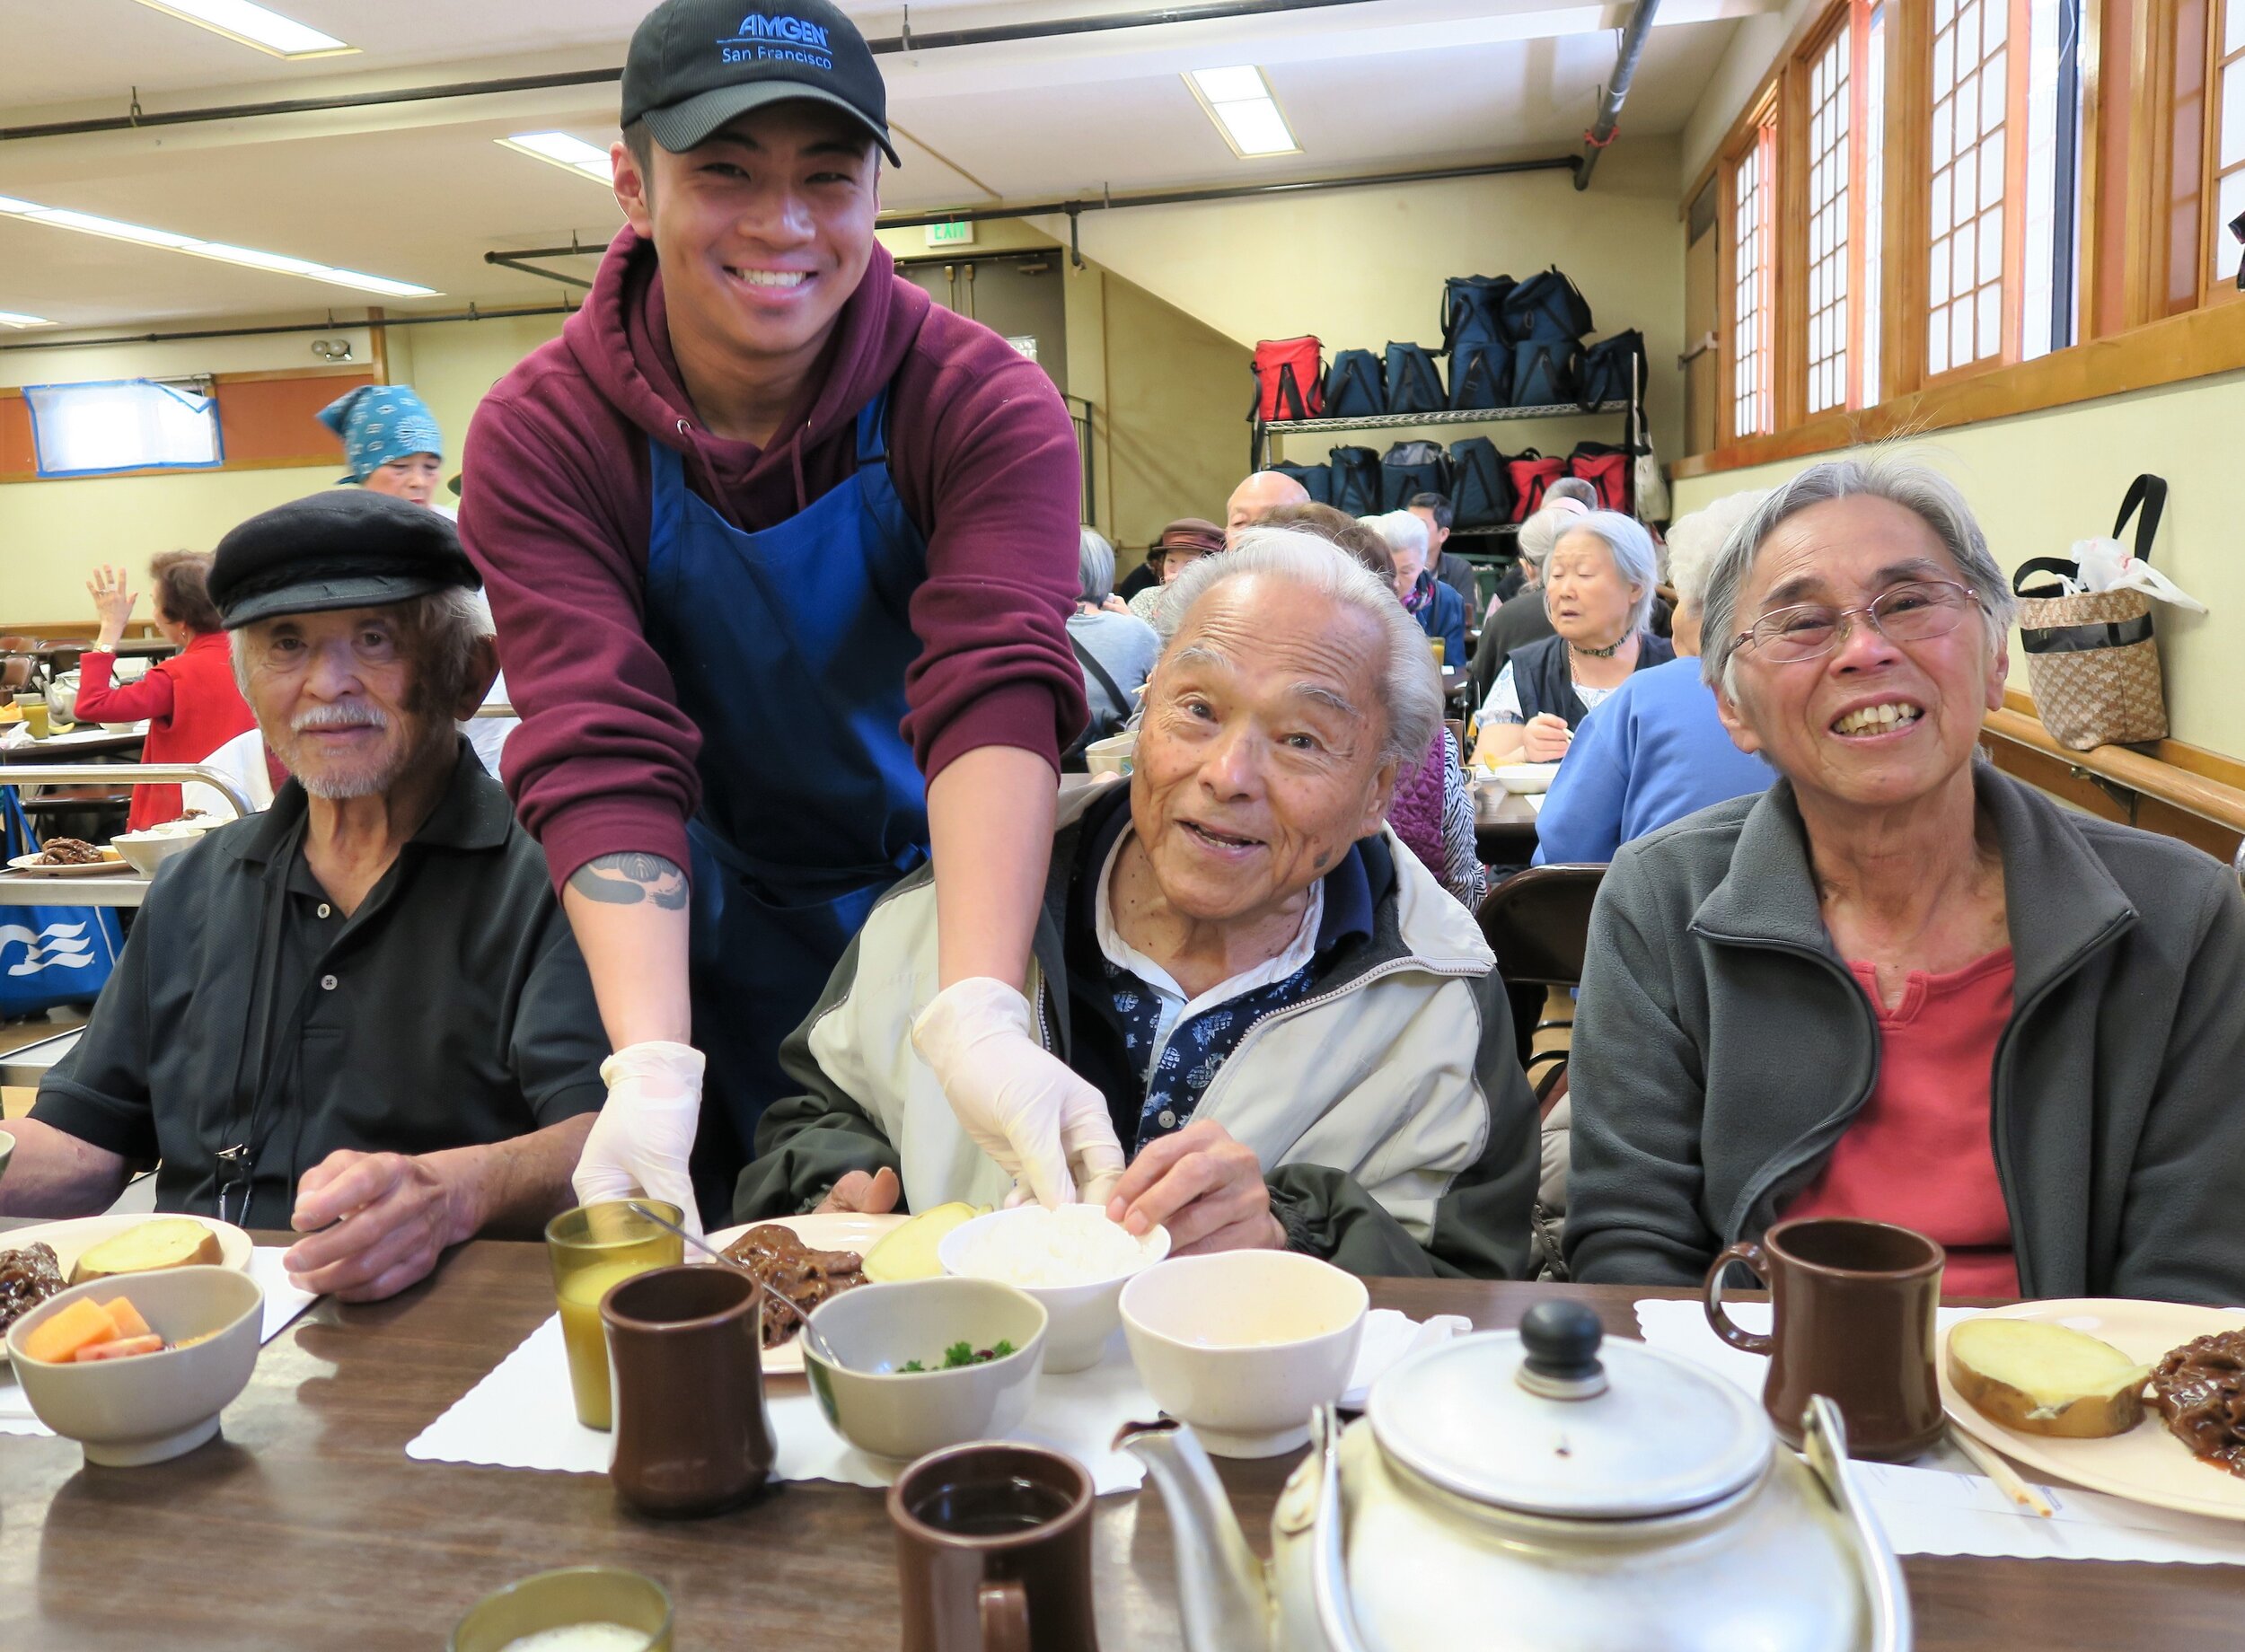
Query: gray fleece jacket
(1722, 1047)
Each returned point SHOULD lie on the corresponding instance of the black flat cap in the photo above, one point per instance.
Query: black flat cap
(345, 547)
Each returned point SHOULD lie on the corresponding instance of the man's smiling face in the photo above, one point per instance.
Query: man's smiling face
(763, 231)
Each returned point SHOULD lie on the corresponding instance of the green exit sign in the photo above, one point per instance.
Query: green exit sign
(950, 235)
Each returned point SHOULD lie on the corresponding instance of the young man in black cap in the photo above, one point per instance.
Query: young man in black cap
(359, 1014)
(783, 555)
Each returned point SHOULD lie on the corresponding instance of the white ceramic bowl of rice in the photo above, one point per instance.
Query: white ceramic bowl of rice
(1072, 1260)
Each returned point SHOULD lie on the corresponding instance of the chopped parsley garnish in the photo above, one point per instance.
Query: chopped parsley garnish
(960, 1354)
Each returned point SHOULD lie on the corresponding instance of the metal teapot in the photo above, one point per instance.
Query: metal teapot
(1518, 1491)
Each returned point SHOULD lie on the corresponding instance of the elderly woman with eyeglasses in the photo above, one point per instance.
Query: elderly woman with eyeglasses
(1898, 984)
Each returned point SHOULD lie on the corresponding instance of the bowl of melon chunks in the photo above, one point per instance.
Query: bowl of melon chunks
(137, 1369)
(2046, 1379)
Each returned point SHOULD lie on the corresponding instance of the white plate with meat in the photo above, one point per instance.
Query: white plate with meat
(829, 1232)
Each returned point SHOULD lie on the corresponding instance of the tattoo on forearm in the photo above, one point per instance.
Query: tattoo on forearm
(629, 878)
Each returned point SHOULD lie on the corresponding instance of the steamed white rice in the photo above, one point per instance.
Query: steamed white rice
(1075, 1244)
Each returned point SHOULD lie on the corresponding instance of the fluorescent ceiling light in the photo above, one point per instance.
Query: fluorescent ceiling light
(563, 150)
(1239, 100)
(254, 25)
(10, 317)
(280, 263)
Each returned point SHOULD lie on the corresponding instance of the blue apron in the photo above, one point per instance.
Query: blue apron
(788, 648)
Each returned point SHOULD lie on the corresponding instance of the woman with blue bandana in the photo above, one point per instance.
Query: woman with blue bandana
(391, 441)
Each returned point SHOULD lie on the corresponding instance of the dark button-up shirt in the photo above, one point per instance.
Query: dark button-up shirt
(451, 1010)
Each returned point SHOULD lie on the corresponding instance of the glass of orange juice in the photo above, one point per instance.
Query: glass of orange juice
(592, 1248)
(1437, 651)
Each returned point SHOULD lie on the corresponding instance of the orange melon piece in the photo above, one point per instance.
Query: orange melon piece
(80, 1324)
(128, 1319)
(122, 1349)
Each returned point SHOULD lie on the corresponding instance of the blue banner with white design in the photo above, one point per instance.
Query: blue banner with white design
(49, 955)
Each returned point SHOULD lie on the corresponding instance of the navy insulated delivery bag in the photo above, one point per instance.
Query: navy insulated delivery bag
(1546, 306)
(1356, 481)
(1317, 480)
(49, 955)
(1480, 375)
(1605, 368)
(1481, 488)
(1473, 311)
(1290, 379)
(1411, 468)
(1413, 384)
(1547, 372)
(1355, 388)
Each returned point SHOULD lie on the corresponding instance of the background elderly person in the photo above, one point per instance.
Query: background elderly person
(1262, 492)
(1433, 810)
(390, 442)
(1297, 1035)
(1657, 749)
(359, 1014)
(1436, 608)
(1598, 588)
(192, 707)
(1900, 985)
(1115, 647)
(1516, 616)
(1183, 543)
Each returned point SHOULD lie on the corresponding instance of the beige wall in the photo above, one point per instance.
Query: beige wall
(53, 533)
(1359, 267)
(2042, 480)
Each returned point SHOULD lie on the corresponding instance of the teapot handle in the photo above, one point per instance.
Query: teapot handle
(1824, 1444)
(1711, 1297)
(1328, 1548)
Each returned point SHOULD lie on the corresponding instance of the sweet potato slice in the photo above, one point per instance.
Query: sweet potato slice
(123, 1348)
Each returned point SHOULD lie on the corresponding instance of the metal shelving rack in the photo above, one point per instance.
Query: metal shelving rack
(1632, 411)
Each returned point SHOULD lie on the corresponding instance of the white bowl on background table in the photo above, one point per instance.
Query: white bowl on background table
(1524, 777)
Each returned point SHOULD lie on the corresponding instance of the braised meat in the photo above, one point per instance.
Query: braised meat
(804, 1275)
(2199, 1388)
(28, 1276)
(68, 852)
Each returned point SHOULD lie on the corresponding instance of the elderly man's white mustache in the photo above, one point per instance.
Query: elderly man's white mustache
(342, 715)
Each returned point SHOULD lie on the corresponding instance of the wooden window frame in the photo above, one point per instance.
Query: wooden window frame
(1853, 18)
(2122, 343)
(2213, 229)
(1764, 133)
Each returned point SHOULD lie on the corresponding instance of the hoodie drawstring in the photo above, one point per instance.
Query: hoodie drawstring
(710, 490)
(795, 452)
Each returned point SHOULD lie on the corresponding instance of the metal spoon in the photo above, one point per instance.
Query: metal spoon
(824, 1349)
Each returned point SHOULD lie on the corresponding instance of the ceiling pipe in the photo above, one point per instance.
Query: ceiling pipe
(1593, 141)
(1072, 210)
(377, 324)
(910, 40)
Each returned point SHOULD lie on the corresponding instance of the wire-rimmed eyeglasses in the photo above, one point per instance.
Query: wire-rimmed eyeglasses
(1914, 611)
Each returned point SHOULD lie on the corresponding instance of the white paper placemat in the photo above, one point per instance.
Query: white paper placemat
(521, 1416)
(283, 1302)
(1941, 1504)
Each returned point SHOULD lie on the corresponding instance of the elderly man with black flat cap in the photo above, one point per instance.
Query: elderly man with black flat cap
(784, 557)
(361, 1014)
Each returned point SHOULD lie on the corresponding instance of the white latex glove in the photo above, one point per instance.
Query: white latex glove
(1021, 1104)
(645, 1134)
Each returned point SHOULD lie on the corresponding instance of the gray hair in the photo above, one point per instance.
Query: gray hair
(1695, 538)
(441, 628)
(1410, 687)
(1541, 531)
(1635, 558)
(1095, 567)
(1403, 532)
(1917, 488)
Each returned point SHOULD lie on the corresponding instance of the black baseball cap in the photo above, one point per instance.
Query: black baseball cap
(345, 547)
(695, 65)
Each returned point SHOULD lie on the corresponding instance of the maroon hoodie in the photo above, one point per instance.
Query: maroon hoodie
(554, 511)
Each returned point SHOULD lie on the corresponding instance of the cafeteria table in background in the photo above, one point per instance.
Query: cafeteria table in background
(308, 1525)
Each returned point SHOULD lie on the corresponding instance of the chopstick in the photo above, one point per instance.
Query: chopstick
(2005, 1477)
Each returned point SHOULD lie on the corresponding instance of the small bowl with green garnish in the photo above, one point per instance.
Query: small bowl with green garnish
(925, 1363)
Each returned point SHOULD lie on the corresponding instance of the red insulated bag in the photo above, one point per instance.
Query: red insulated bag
(1605, 469)
(1531, 474)
(1290, 379)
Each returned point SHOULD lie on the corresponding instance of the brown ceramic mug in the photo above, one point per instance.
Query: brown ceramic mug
(1851, 1312)
(686, 1362)
(993, 1543)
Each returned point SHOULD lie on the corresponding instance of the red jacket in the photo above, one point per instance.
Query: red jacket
(192, 707)
(554, 511)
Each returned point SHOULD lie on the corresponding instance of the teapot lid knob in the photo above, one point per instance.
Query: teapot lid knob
(1561, 1338)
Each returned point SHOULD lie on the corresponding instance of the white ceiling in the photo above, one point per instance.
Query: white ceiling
(420, 192)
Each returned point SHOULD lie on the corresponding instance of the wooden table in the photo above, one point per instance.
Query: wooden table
(308, 1526)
